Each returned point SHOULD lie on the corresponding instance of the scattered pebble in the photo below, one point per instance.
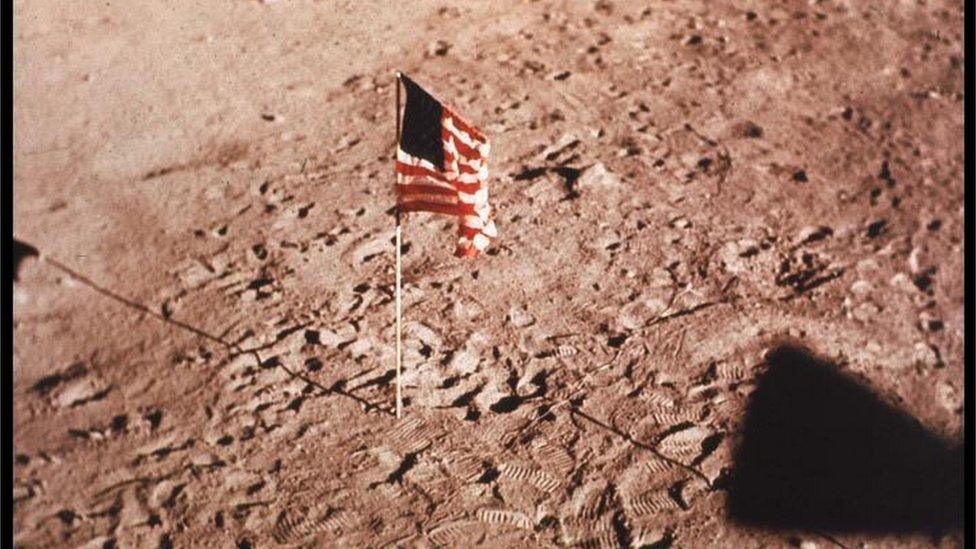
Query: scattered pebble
(752, 131)
(360, 347)
(914, 261)
(567, 141)
(948, 397)
(925, 355)
(463, 362)
(438, 48)
(861, 288)
(597, 176)
(902, 282)
(929, 322)
(814, 233)
(520, 318)
(865, 312)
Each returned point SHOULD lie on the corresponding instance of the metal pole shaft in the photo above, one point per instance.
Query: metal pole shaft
(399, 231)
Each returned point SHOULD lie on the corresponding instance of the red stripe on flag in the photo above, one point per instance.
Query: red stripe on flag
(463, 125)
(464, 150)
(468, 232)
(420, 171)
(469, 188)
(420, 188)
(447, 209)
(456, 185)
(468, 252)
(450, 130)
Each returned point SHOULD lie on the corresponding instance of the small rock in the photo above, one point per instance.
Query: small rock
(914, 261)
(564, 142)
(103, 541)
(631, 316)
(464, 362)
(519, 318)
(424, 333)
(609, 241)
(78, 393)
(334, 338)
(865, 312)
(751, 130)
(867, 265)
(533, 340)
(438, 48)
(696, 392)
(22, 493)
(680, 223)
(876, 228)
(467, 310)
(735, 255)
(597, 176)
(813, 233)
(901, 282)
(373, 247)
(479, 340)
(650, 536)
(929, 322)
(925, 355)
(548, 189)
(861, 288)
(690, 160)
(195, 274)
(694, 489)
(669, 238)
(948, 397)
(361, 347)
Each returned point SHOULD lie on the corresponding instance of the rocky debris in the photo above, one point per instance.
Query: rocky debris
(81, 392)
(736, 255)
(639, 312)
(463, 361)
(336, 338)
(948, 397)
(568, 141)
(372, 247)
(438, 48)
(927, 355)
(813, 233)
(519, 317)
(596, 177)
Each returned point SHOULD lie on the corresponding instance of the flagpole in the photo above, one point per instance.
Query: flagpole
(399, 231)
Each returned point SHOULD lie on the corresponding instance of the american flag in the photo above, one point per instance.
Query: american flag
(442, 167)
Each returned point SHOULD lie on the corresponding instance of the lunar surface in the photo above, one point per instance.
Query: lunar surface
(724, 309)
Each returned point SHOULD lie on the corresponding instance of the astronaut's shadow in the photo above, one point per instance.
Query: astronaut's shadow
(820, 451)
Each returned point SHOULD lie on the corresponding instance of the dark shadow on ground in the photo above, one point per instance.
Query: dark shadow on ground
(820, 451)
(21, 251)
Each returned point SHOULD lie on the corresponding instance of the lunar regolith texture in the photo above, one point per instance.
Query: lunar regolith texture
(725, 306)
